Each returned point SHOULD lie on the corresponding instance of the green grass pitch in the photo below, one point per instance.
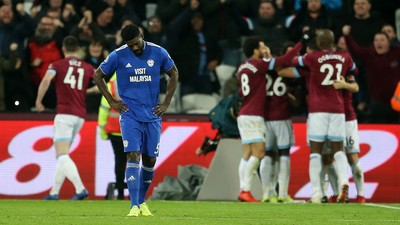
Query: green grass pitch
(40, 212)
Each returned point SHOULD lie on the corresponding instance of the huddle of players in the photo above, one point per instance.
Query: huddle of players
(266, 129)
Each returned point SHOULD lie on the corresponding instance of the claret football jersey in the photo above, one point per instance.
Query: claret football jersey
(325, 67)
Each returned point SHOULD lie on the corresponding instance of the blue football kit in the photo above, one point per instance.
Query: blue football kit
(138, 79)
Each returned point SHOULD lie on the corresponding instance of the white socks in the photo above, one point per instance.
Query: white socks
(284, 175)
(59, 180)
(341, 168)
(67, 168)
(358, 177)
(242, 168)
(250, 170)
(315, 170)
(333, 178)
(266, 175)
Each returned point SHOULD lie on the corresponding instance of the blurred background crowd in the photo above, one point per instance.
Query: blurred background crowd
(200, 35)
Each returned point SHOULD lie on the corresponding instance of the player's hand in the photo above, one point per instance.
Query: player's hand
(339, 84)
(307, 36)
(103, 134)
(39, 107)
(119, 106)
(160, 109)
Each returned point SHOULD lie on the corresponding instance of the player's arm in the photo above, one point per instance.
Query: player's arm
(173, 75)
(43, 87)
(99, 76)
(348, 84)
(290, 72)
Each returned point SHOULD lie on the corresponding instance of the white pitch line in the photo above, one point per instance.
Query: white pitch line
(382, 206)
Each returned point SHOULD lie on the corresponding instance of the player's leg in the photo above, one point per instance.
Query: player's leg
(119, 167)
(266, 174)
(336, 135)
(285, 139)
(358, 176)
(150, 152)
(266, 164)
(352, 150)
(317, 126)
(329, 170)
(66, 127)
(242, 164)
(252, 132)
(132, 133)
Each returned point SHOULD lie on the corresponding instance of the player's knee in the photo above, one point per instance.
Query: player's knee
(133, 156)
(148, 161)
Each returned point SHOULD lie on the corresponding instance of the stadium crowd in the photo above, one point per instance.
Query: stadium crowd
(200, 35)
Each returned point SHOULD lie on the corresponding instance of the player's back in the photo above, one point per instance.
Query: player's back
(252, 79)
(325, 67)
(277, 100)
(72, 79)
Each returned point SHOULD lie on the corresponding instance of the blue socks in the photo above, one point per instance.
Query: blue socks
(133, 181)
(138, 182)
(146, 176)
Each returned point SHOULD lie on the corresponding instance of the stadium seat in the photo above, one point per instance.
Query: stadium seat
(198, 103)
(224, 72)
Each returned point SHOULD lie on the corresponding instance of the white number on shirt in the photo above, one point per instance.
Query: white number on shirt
(71, 80)
(245, 84)
(278, 87)
(329, 70)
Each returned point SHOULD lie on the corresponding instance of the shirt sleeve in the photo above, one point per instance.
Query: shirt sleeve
(166, 61)
(109, 65)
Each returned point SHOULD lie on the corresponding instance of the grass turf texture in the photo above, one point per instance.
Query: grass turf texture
(40, 212)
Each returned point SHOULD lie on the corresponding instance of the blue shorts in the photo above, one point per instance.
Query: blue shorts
(143, 137)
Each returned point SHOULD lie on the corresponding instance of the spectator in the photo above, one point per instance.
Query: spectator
(86, 31)
(365, 25)
(314, 17)
(156, 32)
(270, 25)
(44, 49)
(14, 86)
(383, 73)
(122, 9)
(167, 10)
(95, 54)
(103, 15)
(391, 33)
(196, 54)
(220, 24)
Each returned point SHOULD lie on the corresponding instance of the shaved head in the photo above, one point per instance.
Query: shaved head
(325, 39)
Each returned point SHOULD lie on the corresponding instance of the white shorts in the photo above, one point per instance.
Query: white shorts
(278, 135)
(326, 126)
(352, 144)
(251, 129)
(66, 127)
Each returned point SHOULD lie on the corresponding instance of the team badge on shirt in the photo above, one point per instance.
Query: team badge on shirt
(126, 143)
(150, 62)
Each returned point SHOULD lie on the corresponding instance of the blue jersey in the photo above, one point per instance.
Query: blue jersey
(138, 77)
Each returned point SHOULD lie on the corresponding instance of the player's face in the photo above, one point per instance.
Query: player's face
(136, 45)
(381, 44)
